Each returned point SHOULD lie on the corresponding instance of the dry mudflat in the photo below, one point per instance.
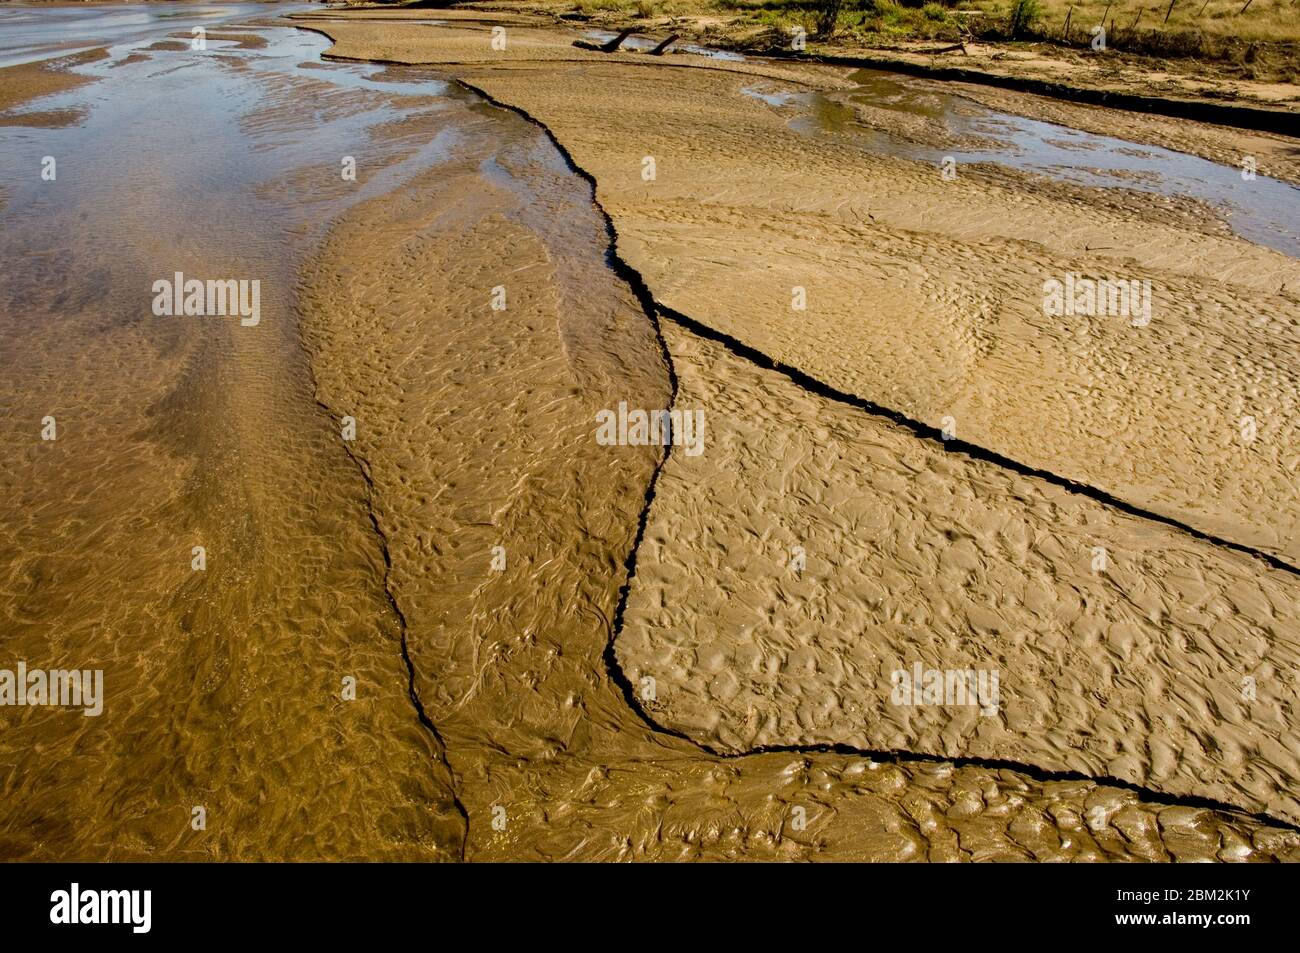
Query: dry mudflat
(1169, 665)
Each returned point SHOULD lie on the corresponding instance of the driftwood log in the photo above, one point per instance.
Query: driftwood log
(612, 45)
(662, 48)
(607, 47)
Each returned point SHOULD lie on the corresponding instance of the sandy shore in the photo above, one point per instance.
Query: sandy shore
(743, 210)
(512, 664)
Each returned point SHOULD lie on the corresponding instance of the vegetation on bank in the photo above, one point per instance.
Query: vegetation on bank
(1255, 20)
(1258, 39)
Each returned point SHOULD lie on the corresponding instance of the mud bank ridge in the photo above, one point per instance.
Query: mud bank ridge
(381, 538)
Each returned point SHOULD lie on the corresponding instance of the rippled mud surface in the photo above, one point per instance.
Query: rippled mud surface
(814, 550)
(469, 554)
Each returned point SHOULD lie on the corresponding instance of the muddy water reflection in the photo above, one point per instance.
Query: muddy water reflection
(224, 683)
(33, 32)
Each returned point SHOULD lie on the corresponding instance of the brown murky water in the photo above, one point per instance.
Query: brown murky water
(462, 558)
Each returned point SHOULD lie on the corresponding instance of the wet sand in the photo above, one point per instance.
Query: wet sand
(911, 553)
(1276, 154)
(499, 719)
(951, 278)
(28, 81)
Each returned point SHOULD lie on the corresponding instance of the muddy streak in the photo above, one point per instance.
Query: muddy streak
(23, 83)
(475, 455)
